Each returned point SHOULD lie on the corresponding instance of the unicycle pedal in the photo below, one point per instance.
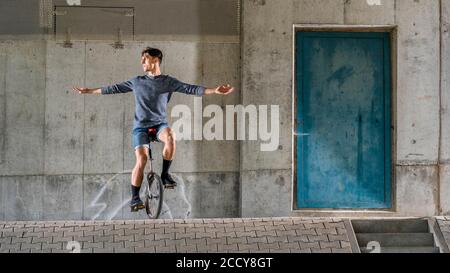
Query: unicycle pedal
(137, 207)
(170, 187)
(168, 182)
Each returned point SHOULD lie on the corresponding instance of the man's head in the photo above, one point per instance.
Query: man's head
(151, 58)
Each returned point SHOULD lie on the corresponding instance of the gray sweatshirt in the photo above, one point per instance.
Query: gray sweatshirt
(152, 93)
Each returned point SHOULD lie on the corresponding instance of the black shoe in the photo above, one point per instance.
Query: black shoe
(136, 204)
(168, 181)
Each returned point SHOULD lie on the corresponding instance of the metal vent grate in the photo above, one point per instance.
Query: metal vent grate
(238, 17)
(46, 14)
(94, 23)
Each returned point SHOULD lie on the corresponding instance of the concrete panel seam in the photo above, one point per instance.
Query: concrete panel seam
(24, 176)
(84, 131)
(415, 164)
(438, 201)
(259, 170)
(345, 2)
(44, 131)
(3, 144)
(395, 11)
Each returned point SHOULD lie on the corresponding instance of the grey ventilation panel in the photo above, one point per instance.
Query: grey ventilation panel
(101, 19)
(93, 23)
(20, 17)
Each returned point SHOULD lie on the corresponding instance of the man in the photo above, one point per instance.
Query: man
(152, 92)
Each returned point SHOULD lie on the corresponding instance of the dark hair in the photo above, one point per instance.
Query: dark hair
(154, 52)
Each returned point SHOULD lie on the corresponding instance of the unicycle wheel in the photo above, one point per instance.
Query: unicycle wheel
(154, 196)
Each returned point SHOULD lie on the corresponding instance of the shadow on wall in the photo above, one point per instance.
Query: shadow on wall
(155, 17)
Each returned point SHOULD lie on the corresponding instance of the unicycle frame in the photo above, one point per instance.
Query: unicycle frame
(153, 199)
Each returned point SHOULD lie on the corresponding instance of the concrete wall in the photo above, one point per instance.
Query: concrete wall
(421, 184)
(68, 156)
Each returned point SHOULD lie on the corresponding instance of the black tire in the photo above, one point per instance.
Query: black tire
(154, 196)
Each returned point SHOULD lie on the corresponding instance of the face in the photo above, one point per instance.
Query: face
(148, 62)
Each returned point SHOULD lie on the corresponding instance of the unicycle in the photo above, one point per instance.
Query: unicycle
(155, 191)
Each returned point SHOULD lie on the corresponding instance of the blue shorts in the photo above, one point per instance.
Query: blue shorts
(141, 138)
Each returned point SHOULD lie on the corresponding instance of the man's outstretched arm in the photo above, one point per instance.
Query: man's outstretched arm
(82, 90)
(221, 90)
(191, 89)
(124, 87)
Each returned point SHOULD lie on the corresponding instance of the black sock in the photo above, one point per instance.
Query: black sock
(135, 191)
(166, 166)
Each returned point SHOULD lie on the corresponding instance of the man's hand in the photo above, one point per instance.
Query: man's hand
(224, 89)
(221, 90)
(82, 90)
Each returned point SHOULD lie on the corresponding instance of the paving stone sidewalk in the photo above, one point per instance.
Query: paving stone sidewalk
(285, 235)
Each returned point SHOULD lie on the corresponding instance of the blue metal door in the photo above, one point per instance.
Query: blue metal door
(343, 144)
